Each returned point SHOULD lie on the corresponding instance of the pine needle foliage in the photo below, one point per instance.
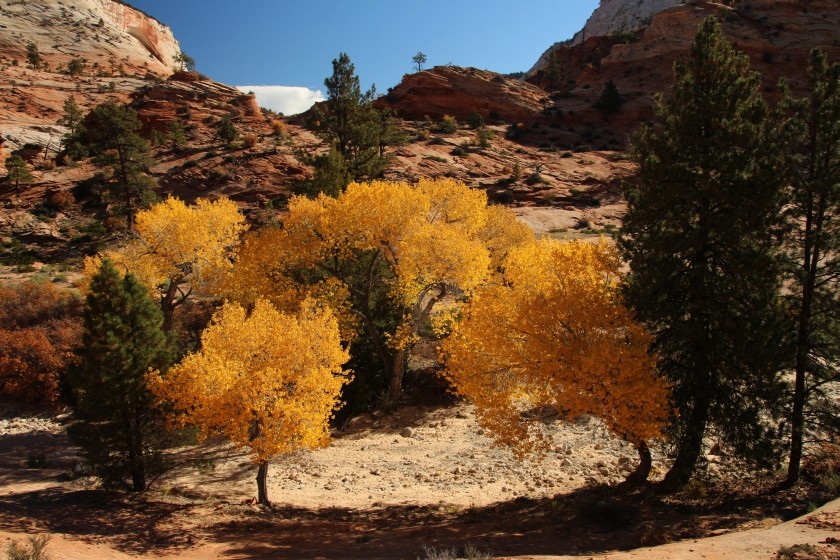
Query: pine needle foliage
(812, 149)
(699, 240)
(117, 423)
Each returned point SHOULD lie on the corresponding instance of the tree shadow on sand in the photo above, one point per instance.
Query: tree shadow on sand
(589, 520)
(130, 525)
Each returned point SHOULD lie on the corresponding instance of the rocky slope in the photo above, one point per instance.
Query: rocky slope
(550, 157)
(612, 17)
(260, 170)
(776, 34)
(451, 90)
(120, 48)
(103, 33)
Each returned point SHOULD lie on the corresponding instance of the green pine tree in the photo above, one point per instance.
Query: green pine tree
(419, 60)
(226, 131)
(73, 119)
(156, 138)
(113, 133)
(17, 171)
(813, 150)
(349, 121)
(75, 67)
(33, 56)
(177, 135)
(185, 62)
(553, 74)
(698, 237)
(610, 100)
(390, 134)
(117, 423)
(331, 174)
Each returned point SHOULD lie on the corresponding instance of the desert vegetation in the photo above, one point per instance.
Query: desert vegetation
(710, 318)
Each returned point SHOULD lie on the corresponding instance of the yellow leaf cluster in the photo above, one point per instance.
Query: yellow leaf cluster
(434, 236)
(268, 266)
(553, 334)
(266, 380)
(179, 243)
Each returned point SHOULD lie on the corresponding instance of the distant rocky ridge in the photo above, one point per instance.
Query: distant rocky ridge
(96, 31)
(460, 91)
(612, 17)
(777, 35)
(552, 156)
(560, 111)
(121, 49)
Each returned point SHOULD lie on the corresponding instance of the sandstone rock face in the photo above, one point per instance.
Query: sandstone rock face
(22, 224)
(777, 35)
(616, 16)
(199, 104)
(114, 37)
(121, 50)
(613, 16)
(449, 90)
(155, 37)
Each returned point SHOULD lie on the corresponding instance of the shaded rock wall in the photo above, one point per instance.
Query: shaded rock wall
(611, 17)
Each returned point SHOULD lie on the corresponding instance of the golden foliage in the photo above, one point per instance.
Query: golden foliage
(179, 247)
(266, 380)
(432, 237)
(553, 334)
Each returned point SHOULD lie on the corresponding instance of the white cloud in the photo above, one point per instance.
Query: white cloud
(289, 100)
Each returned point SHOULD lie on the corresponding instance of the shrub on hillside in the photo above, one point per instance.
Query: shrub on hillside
(447, 124)
(278, 128)
(60, 200)
(41, 326)
(250, 140)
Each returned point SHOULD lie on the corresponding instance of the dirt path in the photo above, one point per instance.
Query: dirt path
(388, 486)
(821, 529)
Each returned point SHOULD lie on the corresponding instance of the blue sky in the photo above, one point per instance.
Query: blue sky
(292, 43)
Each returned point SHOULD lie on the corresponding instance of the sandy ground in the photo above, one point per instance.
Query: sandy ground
(388, 485)
(821, 527)
(416, 456)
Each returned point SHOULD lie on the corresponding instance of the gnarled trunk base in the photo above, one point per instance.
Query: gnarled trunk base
(262, 489)
(640, 475)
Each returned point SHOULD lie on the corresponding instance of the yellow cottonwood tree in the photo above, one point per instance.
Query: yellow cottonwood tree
(383, 254)
(179, 249)
(266, 380)
(553, 334)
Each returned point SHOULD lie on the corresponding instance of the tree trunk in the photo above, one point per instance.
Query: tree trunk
(397, 373)
(262, 480)
(811, 260)
(138, 478)
(642, 472)
(691, 441)
(134, 444)
(797, 417)
(167, 305)
(797, 430)
(139, 468)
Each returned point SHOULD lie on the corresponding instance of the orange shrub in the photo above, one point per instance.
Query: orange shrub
(250, 140)
(278, 128)
(40, 326)
(29, 366)
(34, 303)
(60, 200)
